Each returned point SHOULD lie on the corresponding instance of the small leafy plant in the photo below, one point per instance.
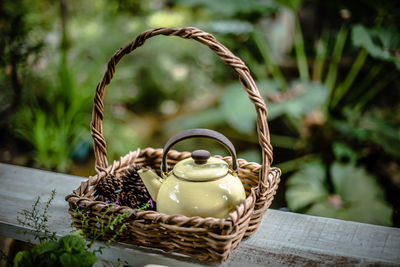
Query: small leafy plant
(69, 250)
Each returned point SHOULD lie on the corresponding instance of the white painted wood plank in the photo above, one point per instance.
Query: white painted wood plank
(283, 238)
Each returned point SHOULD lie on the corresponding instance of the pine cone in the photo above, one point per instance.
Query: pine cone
(109, 187)
(134, 193)
(129, 199)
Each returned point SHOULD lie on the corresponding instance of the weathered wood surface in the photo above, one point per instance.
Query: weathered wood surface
(283, 238)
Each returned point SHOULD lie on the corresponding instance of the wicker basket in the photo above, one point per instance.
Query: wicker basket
(208, 239)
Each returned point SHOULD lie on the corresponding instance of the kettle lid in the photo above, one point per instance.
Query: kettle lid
(201, 167)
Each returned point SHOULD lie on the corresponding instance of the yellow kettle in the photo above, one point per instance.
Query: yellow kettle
(201, 185)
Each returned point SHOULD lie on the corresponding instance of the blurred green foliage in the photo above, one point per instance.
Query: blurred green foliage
(327, 71)
(355, 194)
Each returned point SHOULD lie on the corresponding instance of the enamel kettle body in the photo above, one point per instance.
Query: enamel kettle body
(201, 185)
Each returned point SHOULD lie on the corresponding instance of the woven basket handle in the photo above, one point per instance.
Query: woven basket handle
(209, 40)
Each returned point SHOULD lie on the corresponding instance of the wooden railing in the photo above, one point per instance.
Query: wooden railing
(284, 238)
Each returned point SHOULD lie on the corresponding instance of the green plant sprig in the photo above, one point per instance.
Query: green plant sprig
(38, 220)
(68, 251)
(105, 223)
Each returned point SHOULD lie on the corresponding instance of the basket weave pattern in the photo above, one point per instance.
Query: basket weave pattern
(209, 239)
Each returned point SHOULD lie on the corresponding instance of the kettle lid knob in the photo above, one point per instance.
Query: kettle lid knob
(200, 156)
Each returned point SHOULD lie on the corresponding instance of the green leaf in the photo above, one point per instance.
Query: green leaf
(45, 247)
(354, 184)
(69, 260)
(342, 151)
(358, 197)
(310, 96)
(251, 155)
(48, 259)
(306, 186)
(374, 212)
(237, 109)
(78, 233)
(362, 37)
(83, 259)
(267, 86)
(227, 27)
(323, 209)
(369, 128)
(23, 258)
(211, 117)
(87, 258)
(389, 39)
(72, 243)
(364, 199)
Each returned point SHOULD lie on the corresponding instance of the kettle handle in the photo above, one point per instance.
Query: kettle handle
(194, 133)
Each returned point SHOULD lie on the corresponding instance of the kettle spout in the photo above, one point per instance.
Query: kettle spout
(151, 180)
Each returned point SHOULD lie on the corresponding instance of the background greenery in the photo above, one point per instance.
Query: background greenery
(327, 72)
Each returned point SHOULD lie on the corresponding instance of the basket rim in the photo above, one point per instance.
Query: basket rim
(82, 194)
